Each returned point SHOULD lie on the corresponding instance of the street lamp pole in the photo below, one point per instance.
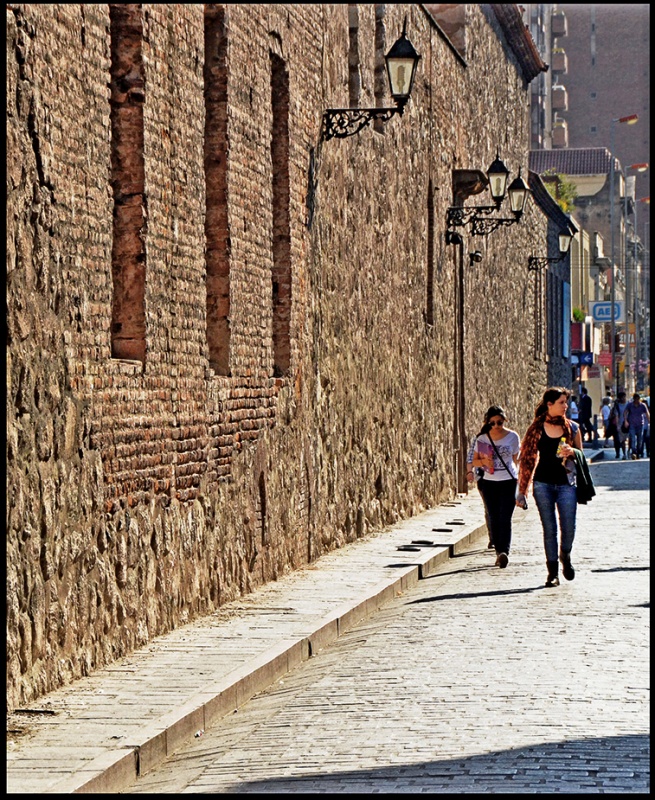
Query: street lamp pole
(635, 302)
(639, 295)
(632, 276)
(626, 277)
(629, 120)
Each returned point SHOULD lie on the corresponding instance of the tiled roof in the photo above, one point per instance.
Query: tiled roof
(519, 39)
(572, 161)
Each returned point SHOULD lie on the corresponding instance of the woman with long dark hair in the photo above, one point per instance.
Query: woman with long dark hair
(496, 453)
(547, 446)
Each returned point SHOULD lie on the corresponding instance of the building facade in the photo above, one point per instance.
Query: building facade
(598, 82)
(232, 345)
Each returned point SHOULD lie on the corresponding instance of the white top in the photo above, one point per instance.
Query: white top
(573, 410)
(606, 411)
(508, 446)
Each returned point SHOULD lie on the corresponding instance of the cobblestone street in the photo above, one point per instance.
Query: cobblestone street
(475, 680)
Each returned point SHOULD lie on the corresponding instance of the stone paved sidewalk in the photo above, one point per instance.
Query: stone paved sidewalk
(475, 680)
(100, 733)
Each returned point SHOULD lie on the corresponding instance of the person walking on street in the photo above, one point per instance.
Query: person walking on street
(573, 409)
(605, 412)
(496, 452)
(637, 416)
(547, 445)
(584, 415)
(616, 421)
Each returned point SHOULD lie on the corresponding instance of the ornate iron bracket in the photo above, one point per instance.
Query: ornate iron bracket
(483, 227)
(460, 215)
(535, 263)
(341, 122)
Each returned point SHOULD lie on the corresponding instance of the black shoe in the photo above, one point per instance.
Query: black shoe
(502, 561)
(490, 545)
(567, 567)
(552, 579)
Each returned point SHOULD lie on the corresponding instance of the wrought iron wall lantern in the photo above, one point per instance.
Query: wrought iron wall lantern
(535, 263)
(401, 62)
(479, 217)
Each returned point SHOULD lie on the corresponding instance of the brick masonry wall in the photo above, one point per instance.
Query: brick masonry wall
(141, 496)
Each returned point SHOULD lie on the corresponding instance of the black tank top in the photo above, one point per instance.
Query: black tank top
(550, 468)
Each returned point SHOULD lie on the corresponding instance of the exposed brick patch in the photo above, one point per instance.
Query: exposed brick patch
(281, 230)
(128, 335)
(216, 221)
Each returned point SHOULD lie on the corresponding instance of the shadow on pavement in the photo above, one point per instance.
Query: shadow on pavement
(622, 569)
(614, 764)
(467, 570)
(464, 595)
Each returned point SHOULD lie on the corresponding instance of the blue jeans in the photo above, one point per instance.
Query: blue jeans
(636, 435)
(547, 497)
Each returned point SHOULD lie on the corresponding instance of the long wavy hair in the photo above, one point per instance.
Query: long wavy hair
(551, 395)
(530, 443)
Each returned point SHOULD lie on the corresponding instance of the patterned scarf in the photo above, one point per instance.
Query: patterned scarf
(529, 445)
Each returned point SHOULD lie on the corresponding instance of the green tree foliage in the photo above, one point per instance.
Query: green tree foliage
(560, 189)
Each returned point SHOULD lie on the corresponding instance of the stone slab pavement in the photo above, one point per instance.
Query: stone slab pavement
(475, 680)
(102, 732)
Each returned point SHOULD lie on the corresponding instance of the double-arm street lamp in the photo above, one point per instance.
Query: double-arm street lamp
(629, 120)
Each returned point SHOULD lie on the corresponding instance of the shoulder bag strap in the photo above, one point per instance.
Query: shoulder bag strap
(497, 453)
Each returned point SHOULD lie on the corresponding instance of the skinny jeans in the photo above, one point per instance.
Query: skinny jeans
(499, 498)
(549, 497)
(636, 435)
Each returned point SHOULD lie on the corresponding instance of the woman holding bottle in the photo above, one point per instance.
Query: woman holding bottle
(547, 446)
(496, 452)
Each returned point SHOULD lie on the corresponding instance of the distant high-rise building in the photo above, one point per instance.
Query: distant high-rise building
(599, 59)
(608, 51)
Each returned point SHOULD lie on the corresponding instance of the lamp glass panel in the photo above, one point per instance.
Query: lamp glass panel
(497, 183)
(564, 242)
(401, 76)
(517, 198)
(497, 175)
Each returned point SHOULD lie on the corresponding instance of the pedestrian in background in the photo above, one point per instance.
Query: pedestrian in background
(546, 446)
(606, 412)
(573, 409)
(584, 415)
(637, 416)
(616, 420)
(496, 451)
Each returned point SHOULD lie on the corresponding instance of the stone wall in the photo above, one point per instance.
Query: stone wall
(145, 491)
